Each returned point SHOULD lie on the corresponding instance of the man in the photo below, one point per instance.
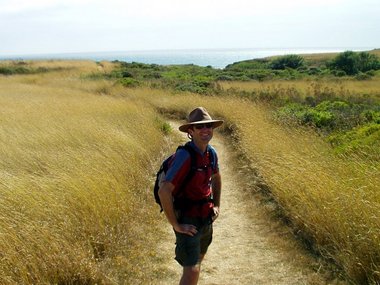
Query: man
(191, 208)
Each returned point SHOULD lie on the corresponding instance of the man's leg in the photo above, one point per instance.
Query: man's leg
(191, 250)
(191, 274)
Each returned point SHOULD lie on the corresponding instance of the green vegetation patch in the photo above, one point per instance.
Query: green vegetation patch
(22, 67)
(204, 80)
(352, 63)
(363, 139)
(349, 127)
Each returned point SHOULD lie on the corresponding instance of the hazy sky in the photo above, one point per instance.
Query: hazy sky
(55, 26)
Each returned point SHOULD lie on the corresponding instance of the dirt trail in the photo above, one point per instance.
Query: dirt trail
(249, 247)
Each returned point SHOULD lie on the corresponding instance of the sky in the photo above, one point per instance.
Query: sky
(66, 26)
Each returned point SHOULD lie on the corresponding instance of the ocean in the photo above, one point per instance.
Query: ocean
(217, 58)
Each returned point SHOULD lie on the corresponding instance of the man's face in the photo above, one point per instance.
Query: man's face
(201, 133)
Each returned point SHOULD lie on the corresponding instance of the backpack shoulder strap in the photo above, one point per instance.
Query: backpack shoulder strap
(213, 159)
(193, 163)
(192, 153)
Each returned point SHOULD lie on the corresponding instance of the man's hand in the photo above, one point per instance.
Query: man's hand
(215, 214)
(187, 229)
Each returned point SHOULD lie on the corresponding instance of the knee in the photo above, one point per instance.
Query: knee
(193, 270)
(191, 274)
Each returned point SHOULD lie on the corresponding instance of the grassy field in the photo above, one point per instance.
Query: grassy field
(78, 155)
(74, 167)
(342, 88)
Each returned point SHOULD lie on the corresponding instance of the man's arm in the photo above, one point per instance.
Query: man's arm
(216, 182)
(166, 197)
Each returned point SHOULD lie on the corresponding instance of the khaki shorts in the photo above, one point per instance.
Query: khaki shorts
(189, 248)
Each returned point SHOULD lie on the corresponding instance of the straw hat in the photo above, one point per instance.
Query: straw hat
(199, 116)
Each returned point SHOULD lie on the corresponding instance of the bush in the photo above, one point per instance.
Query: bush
(294, 112)
(126, 74)
(320, 118)
(339, 73)
(288, 61)
(261, 63)
(6, 70)
(352, 63)
(15, 70)
(225, 77)
(261, 74)
(152, 75)
(313, 71)
(371, 116)
(367, 62)
(129, 82)
(366, 137)
(331, 106)
(347, 62)
(199, 85)
(362, 76)
(329, 115)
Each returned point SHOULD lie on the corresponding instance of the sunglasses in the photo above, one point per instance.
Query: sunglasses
(201, 126)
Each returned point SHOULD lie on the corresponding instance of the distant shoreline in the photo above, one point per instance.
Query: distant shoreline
(217, 58)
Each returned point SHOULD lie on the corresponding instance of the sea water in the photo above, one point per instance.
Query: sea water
(216, 58)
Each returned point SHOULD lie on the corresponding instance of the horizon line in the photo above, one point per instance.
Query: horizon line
(184, 50)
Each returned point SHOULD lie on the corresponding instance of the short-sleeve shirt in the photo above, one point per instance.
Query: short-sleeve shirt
(199, 187)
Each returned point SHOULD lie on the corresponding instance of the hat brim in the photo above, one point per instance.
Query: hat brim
(215, 124)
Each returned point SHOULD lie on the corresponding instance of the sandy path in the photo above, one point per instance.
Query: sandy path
(249, 247)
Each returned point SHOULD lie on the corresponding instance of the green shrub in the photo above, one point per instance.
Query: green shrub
(261, 63)
(16, 70)
(371, 116)
(126, 74)
(339, 73)
(288, 61)
(6, 70)
(371, 72)
(225, 77)
(261, 74)
(152, 75)
(129, 82)
(319, 118)
(364, 140)
(327, 115)
(294, 112)
(367, 62)
(329, 106)
(22, 68)
(352, 63)
(199, 85)
(362, 76)
(313, 71)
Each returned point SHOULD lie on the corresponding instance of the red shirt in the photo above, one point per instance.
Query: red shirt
(199, 187)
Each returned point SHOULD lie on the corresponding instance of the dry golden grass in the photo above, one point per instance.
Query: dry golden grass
(302, 88)
(73, 197)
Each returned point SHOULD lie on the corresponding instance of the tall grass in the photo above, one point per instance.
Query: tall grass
(73, 198)
(299, 89)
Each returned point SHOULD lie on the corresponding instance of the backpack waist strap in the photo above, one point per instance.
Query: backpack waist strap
(184, 203)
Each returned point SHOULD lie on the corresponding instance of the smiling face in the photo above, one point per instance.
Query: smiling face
(201, 134)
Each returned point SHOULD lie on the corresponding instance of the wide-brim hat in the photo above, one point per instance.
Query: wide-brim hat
(199, 116)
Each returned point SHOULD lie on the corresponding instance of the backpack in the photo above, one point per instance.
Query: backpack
(161, 173)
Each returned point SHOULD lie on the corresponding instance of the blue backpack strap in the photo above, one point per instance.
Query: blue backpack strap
(193, 162)
(213, 163)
